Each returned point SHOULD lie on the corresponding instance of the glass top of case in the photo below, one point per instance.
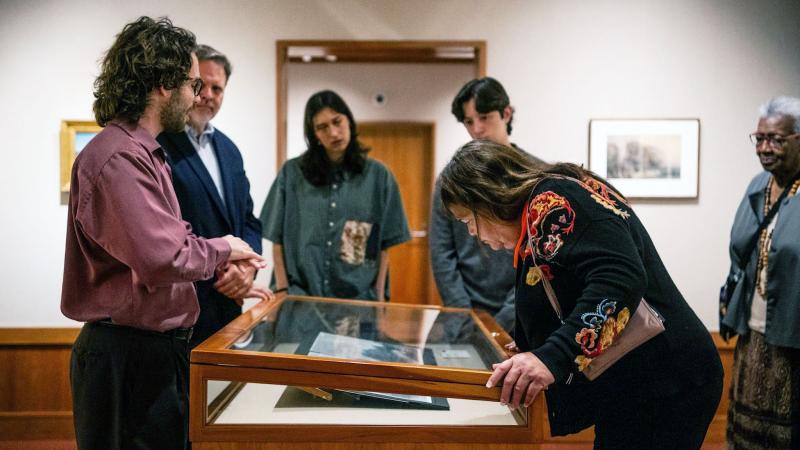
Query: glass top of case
(372, 331)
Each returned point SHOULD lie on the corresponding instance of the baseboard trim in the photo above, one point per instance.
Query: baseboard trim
(35, 425)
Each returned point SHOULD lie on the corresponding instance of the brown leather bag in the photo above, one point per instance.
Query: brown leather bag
(642, 326)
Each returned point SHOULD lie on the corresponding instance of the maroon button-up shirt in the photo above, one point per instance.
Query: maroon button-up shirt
(129, 256)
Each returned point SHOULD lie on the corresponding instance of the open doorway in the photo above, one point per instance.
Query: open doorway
(470, 53)
(393, 89)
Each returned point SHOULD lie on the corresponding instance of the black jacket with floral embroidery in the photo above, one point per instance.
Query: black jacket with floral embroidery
(600, 262)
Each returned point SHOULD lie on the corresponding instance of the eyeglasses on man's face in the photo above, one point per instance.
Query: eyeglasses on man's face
(197, 85)
(772, 140)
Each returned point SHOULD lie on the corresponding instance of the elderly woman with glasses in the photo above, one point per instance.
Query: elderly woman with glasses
(764, 308)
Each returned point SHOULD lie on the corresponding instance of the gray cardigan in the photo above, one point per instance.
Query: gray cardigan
(783, 268)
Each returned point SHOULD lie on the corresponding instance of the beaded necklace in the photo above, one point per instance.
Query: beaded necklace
(765, 239)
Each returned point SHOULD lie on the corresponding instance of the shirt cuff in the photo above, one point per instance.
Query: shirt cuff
(553, 358)
(222, 248)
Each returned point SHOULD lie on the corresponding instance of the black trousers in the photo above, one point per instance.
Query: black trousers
(130, 389)
(677, 422)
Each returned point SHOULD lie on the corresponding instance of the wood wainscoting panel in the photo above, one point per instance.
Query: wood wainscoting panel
(35, 400)
(716, 432)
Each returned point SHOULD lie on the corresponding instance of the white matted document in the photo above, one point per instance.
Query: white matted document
(347, 347)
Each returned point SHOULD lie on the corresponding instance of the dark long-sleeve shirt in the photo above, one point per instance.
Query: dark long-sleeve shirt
(129, 256)
(601, 262)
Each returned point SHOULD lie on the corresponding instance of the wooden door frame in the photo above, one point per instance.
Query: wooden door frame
(406, 51)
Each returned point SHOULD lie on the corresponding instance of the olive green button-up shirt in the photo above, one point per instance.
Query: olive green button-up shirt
(333, 235)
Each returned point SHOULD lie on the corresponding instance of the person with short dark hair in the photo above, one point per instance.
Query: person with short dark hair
(332, 213)
(764, 309)
(458, 261)
(474, 104)
(214, 193)
(584, 266)
(129, 259)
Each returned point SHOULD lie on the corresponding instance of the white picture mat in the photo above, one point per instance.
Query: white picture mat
(687, 129)
(255, 404)
(347, 347)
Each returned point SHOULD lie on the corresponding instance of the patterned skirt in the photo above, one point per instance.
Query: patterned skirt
(764, 411)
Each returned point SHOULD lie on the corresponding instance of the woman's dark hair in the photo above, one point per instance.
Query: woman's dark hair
(317, 168)
(146, 55)
(489, 96)
(495, 181)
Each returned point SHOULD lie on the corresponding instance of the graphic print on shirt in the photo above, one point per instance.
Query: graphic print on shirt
(354, 242)
(550, 219)
(601, 330)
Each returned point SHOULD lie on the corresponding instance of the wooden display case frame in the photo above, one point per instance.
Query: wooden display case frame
(213, 360)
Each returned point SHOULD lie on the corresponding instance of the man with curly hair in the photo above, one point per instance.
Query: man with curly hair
(129, 259)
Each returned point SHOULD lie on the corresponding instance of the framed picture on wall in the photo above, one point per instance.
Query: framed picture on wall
(647, 158)
(75, 134)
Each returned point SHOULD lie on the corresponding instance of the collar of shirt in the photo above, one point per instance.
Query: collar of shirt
(138, 134)
(204, 147)
(204, 138)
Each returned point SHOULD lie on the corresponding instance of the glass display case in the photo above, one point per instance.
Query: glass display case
(304, 369)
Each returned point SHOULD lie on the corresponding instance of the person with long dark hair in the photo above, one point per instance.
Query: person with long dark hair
(333, 213)
(578, 242)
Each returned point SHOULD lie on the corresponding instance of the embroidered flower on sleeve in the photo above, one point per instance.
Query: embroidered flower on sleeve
(587, 337)
(536, 273)
(607, 333)
(583, 362)
(550, 219)
(547, 272)
(601, 330)
(622, 319)
(603, 196)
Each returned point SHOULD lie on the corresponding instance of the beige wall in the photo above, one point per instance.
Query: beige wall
(563, 63)
(413, 92)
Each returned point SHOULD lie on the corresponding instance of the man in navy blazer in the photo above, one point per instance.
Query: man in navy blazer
(214, 196)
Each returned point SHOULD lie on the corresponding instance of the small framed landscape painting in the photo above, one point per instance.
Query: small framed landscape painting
(75, 134)
(647, 158)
